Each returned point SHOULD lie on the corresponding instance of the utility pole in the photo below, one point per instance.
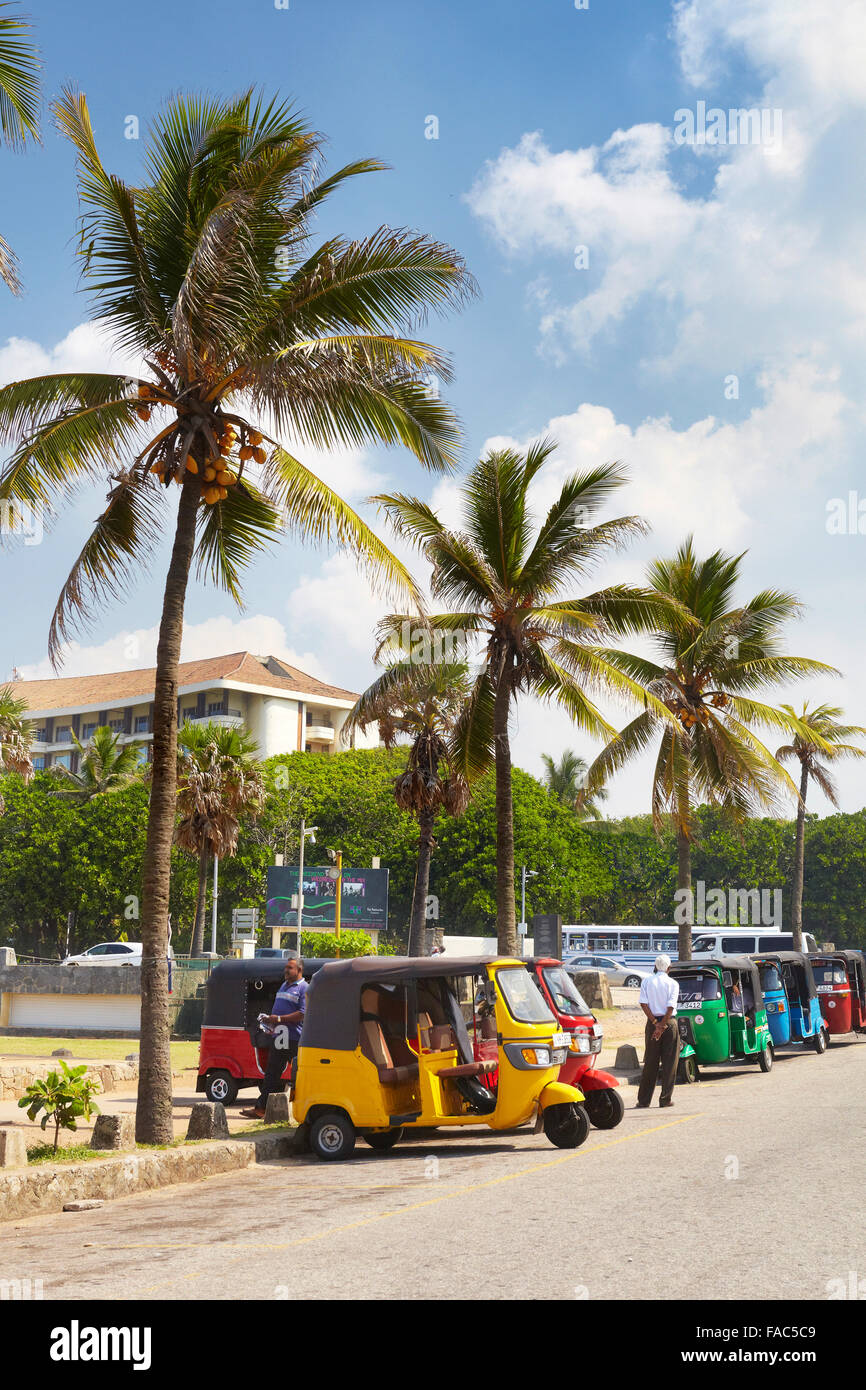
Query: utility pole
(338, 904)
(213, 920)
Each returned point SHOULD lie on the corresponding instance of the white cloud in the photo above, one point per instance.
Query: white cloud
(764, 266)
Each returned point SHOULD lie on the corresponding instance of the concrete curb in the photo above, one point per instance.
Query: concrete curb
(41, 1189)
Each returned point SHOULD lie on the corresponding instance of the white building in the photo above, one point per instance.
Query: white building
(285, 710)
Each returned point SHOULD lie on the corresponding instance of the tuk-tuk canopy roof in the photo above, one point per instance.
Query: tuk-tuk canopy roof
(334, 1000)
(797, 958)
(227, 985)
(719, 963)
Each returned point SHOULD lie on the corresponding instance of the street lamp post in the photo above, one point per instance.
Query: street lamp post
(306, 834)
(524, 875)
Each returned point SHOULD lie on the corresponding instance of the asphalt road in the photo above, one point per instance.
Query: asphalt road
(750, 1186)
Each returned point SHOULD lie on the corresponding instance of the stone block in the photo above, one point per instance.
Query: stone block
(277, 1108)
(61, 1052)
(13, 1150)
(207, 1121)
(627, 1058)
(90, 1204)
(113, 1132)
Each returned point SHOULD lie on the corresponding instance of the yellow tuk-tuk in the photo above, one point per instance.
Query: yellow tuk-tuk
(386, 1046)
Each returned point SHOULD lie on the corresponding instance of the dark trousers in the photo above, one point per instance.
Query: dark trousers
(665, 1053)
(276, 1065)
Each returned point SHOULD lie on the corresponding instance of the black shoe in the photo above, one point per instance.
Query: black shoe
(642, 1105)
(663, 1104)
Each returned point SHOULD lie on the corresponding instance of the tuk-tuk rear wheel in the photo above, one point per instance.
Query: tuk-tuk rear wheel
(604, 1108)
(687, 1070)
(332, 1136)
(765, 1057)
(384, 1138)
(221, 1086)
(566, 1126)
(819, 1042)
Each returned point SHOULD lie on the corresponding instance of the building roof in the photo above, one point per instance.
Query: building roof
(70, 692)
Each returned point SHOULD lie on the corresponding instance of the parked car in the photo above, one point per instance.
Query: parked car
(110, 953)
(274, 952)
(617, 972)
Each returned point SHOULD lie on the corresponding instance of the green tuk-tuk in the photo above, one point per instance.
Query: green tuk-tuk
(720, 1014)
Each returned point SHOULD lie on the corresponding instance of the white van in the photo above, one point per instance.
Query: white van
(739, 941)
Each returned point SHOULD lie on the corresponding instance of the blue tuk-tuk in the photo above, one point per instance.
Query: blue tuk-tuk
(791, 997)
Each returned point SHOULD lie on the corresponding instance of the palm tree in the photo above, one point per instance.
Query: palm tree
(566, 782)
(207, 272)
(705, 676)
(15, 736)
(105, 765)
(420, 701)
(219, 780)
(505, 579)
(19, 106)
(826, 742)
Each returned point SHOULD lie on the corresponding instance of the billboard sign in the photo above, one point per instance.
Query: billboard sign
(363, 903)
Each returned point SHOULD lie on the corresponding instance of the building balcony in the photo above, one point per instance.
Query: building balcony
(322, 733)
(231, 720)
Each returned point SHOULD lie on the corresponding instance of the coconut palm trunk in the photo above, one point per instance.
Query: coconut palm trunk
(417, 925)
(153, 1122)
(799, 859)
(197, 943)
(506, 925)
(684, 882)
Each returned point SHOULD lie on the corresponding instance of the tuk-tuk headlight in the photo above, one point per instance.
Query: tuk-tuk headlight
(537, 1056)
(559, 1055)
(580, 1042)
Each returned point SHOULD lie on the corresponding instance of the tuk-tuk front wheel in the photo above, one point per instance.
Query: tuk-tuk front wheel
(332, 1136)
(384, 1138)
(765, 1057)
(687, 1070)
(819, 1042)
(221, 1086)
(604, 1108)
(566, 1126)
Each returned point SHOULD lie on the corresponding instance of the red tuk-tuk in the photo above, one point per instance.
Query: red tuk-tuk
(237, 992)
(602, 1101)
(841, 980)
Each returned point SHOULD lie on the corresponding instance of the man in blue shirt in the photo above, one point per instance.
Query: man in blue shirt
(286, 1020)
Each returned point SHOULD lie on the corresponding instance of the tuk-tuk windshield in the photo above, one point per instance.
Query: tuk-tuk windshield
(770, 977)
(566, 996)
(696, 988)
(525, 1001)
(829, 972)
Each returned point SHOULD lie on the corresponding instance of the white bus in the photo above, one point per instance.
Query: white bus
(637, 944)
(620, 941)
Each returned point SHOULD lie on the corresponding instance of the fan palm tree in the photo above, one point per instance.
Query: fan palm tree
(246, 331)
(15, 736)
(421, 702)
(19, 106)
(219, 780)
(105, 765)
(566, 782)
(706, 676)
(812, 754)
(506, 580)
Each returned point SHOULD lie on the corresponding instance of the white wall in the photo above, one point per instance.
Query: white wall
(273, 722)
(93, 1011)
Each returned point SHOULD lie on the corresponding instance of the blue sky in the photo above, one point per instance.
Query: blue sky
(555, 130)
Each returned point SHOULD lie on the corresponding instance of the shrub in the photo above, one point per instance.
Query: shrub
(63, 1096)
(324, 943)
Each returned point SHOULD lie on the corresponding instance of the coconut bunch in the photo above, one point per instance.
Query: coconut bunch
(212, 446)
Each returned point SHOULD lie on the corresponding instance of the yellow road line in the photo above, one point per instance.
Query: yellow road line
(385, 1215)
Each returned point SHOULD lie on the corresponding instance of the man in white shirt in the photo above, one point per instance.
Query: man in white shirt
(658, 999)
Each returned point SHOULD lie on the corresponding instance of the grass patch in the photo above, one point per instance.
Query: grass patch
(183, 1054)
(73, 1153)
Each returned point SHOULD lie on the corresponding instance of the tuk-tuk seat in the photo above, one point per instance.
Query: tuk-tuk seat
(465, 1069)
(375, 1049)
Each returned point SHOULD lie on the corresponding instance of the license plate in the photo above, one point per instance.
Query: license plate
(561, 1039)
(825, 989)
(597, 1030)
